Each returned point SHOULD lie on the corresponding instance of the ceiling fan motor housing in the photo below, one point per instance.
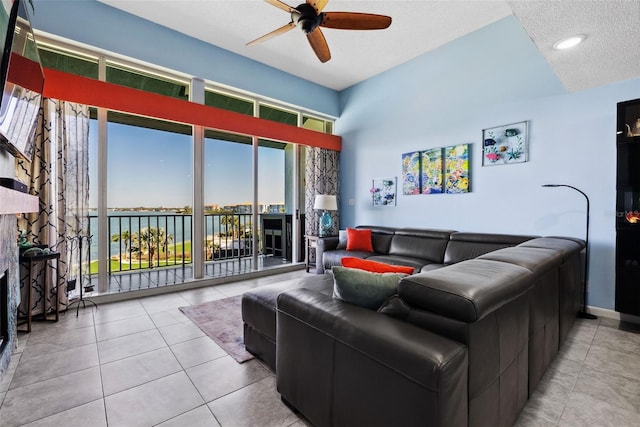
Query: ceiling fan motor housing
(306, 17)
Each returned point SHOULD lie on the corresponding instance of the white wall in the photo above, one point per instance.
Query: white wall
(490, 78)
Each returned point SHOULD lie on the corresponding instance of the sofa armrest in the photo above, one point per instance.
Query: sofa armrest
(324, 244)
(466, 291)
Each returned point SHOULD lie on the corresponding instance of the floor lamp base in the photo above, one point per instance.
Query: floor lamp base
(585, 315)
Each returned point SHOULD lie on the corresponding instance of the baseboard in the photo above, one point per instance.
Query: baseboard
(612, 314)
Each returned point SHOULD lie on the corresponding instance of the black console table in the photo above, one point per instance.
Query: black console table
(47, 260)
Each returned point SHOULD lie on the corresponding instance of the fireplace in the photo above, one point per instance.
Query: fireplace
(9, 290)
(4, 311)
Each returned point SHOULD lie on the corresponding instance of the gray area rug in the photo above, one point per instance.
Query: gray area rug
(221, 320)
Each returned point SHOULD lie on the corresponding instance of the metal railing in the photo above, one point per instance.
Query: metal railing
(141, 241)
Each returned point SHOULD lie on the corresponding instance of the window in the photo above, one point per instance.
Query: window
(68, 62)
(228, 102)
(137, 79)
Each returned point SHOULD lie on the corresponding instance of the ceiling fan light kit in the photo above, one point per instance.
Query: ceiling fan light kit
(309, 17)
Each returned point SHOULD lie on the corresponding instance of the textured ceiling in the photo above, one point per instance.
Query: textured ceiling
(610, 52)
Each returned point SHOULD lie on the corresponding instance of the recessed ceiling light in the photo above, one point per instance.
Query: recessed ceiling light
(570, 42)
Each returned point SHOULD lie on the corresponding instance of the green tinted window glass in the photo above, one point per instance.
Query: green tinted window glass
(137, 80)
(148, 123)
(230, 103)
(225, 136)
(317, 124)
(277, 115)
(73, 64)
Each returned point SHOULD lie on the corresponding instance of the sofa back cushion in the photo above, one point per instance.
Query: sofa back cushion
(420, 243)
(464, 246)
(380, 237)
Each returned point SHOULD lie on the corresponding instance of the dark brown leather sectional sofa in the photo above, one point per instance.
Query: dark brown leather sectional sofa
(463, 343)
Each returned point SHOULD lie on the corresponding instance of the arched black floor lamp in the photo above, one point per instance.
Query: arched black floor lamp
(583, 314)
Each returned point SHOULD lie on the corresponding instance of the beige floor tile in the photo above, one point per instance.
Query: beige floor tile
(112, 313)
(613, 362)
(153, 402)
(165, 302)
(620, 392)
(257, 404)
(180, 332)
(169, 317)
(196, 351)
(200, 295)
(119, 328)
(224, 375)
(583, 410)
(199, 417)
(89, 414)
(59, 340)
(46, 366)
(135, 370)
(33, 402)
(617, 340)
(130, 345)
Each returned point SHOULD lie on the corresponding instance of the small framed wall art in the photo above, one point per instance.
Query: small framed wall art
(383, 192)
(506, 144)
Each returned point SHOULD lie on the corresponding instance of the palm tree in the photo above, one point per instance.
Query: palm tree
(152, 239)
(230, 221)
(124, 236)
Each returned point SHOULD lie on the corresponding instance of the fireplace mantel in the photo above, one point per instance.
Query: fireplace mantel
(13, 202)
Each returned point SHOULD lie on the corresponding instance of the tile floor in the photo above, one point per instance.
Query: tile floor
(143, 363)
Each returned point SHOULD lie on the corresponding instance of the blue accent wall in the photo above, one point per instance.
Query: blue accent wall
(492, 77)
(105, 27)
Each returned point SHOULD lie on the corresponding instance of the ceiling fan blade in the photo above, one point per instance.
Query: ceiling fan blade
(318, 5)
(281, 5)
(355, 21)
(319, 45)
(273, 33)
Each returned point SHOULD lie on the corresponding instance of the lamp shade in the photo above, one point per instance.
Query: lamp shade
(325, 202)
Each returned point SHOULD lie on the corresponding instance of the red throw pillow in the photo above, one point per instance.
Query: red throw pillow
(375, 266)
(359, 240)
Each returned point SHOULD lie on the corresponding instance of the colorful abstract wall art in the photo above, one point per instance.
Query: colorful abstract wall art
(436, 171)
(457, 169)
(411, 173)
(383, 192)
(431, 162)
(506, 144)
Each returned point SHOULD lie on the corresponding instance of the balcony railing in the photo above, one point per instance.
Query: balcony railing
(150, 240)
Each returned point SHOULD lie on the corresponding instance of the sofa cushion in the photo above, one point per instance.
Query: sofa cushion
(380, 237)
(374, 266)
(423, 244)
(359, 240)
(364, 288)
(464, 246)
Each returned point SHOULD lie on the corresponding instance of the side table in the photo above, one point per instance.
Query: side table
(31, 263)
(311, 243)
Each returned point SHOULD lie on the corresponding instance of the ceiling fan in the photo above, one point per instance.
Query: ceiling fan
(310, 17)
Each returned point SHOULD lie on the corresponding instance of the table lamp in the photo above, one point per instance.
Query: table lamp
(325, 202)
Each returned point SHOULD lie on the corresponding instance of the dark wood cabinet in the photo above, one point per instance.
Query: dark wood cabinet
(628, 208)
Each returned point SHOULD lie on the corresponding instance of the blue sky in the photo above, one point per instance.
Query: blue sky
(152, 168)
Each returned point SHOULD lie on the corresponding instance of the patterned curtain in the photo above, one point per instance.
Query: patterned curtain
(58, 175)
(321, 177)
